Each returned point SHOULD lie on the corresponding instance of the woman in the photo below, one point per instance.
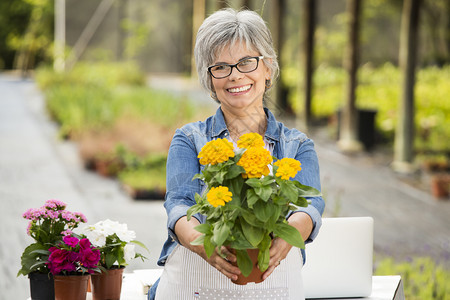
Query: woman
(237, 64)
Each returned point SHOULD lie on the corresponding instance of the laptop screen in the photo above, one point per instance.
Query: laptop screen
(339, 261)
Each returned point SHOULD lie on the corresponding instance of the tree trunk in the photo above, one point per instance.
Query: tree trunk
(404, 135)
(309, 25)
(348, 137)
(198, 15)
(281, 105)
(60, 35)
(221, 4)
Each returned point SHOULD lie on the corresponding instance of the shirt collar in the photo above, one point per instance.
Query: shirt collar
(219, 126)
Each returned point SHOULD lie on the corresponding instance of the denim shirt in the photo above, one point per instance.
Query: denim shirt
(183, 164)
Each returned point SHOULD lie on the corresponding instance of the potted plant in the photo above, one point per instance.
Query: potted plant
(71, 262)
(47, 226)
(245, 202)
(116, 245)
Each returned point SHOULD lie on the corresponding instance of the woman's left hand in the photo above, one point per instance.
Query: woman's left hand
(278, 251)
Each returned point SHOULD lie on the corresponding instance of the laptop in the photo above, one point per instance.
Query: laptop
(339, 261)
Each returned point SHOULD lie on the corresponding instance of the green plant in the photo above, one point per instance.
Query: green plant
(422, 277)
(379, 89)
(47, 227)
(114, 241)
(246, 206)
(95, 97)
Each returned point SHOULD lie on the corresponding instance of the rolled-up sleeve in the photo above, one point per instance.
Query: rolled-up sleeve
(310, 175)
(182, 165)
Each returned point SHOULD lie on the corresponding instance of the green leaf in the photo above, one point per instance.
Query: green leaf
(263, 259)
(253, 234)
(244, 262)
(306, 191)
(250, 218)
(264, 192)
(198, 176)
(252, 198)
(203, 228)
(253, 182)
(234, 171)
(289, 190)
(267, 180)
(235, 187)
(274, 217)
(209, 246)
(220, 176)
(110, 259)
(199, 241)
(31, 255)
(194, 209)
(290, 234)
(220, 233)
(264, 254)
(263, 210)
(140, 244)
(301, 202)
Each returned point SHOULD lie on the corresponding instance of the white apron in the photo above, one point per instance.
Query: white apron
(187, 276)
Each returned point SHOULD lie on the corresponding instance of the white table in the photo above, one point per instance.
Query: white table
(383, 287)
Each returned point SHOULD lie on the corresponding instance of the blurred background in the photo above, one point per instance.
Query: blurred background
(109, 81)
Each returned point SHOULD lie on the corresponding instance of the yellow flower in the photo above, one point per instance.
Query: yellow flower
(218, 196)
(216, 151)
(250, 140)
(255, 161)
(287, 168)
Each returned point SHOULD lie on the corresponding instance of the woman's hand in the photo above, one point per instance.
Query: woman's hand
(280, 248)
(186, 233)
(223, 264)
(278, 251)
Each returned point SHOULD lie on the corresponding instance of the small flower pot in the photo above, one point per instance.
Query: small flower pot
(256, 274)
(107, 285)
(71, 287)
(41, 286)
(440, 186)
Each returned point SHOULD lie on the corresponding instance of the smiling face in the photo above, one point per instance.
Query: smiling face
(240, 91)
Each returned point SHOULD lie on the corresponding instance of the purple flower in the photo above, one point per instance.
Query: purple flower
(70, 241)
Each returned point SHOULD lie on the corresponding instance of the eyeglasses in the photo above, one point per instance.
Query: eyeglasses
(245, 65)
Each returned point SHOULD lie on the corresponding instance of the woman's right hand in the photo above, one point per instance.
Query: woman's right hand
(186, 233)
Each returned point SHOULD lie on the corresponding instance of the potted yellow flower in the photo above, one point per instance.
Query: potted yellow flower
(247, 198)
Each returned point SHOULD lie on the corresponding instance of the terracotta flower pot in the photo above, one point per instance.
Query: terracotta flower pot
(71, 287)
(41, 286)
(255, 275)
(107, 286)
(440, 186)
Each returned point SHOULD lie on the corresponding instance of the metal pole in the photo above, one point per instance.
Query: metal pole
(60, 35)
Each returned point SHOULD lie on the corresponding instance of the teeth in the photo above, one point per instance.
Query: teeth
(241, 89)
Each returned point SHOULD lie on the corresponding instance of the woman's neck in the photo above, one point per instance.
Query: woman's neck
(251, 121)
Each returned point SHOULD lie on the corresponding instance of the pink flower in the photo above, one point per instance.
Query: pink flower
(54, 204)
(80, 217)
(60, 260)
(29, 227)
(67, 232)
(70, 241)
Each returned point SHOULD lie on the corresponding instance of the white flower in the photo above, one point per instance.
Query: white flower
(129, 252)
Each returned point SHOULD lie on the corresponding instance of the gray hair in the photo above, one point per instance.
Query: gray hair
(226, 27)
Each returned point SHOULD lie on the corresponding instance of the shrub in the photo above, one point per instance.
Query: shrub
(379, 89)
(422, 277)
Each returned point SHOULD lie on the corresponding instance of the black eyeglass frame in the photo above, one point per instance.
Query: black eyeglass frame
(258, 58)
